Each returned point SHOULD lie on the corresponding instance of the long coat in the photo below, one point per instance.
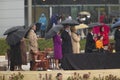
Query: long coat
(90, 43)
(57, 47)
(23, 52)
(117, 40)
(43, 21)
(33, 44)
(66, 43)
(15, 56)
(75, 43)
(105, 34)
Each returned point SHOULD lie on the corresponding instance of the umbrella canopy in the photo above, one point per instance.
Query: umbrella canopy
(53, 31)
(115, 13)
(117, 24)
(70, 22)
(12, 29)
(14, 37)
(94, 24)
(84, 13)
(81, 26)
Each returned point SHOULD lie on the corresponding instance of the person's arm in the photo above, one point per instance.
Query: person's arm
(75, 37)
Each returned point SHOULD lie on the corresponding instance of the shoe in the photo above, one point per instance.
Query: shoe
(57, 68)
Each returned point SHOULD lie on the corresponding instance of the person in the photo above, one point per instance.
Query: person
(90, 42)
(53, 21)
(38, 30)
(75, 41)
(66, 41)
(33, 45)
(57, 49)
(69, 17)
(104, 31)
(102, 17)
(117, 39)
(15, 57)
(43, 22)
(59, 76)
(23, 52)
(99, 44)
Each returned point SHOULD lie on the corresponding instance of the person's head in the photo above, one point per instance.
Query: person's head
(118, 27)
(101, 29)
(73, 29)
(90, 29)
(42, 15)
(103, 13)
(67, 27)
(100, 37)
(33, 27)
(59, 76)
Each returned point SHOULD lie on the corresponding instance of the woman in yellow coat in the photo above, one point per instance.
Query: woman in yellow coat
(99, 44)
(75, 41)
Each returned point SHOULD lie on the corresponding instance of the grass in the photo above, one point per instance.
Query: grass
(41, 42)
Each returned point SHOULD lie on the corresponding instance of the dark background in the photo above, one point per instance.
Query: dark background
(57, 2)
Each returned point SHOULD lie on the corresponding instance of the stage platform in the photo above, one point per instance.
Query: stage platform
(51, 75)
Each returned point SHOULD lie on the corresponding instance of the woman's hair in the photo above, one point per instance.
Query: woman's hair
(58, 74)
(32, 25)
(73, 29)
(29, 28)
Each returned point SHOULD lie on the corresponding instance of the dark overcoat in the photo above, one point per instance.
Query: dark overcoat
(66, 43)
(90, 43)
(117, 40)
(15, 56)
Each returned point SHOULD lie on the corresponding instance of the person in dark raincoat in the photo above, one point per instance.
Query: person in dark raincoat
(53, 22)
(15, 56)
(117, 39)
(66, 41)
(90, 42)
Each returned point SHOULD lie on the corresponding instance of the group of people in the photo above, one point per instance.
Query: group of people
(97, 41)
(66, 41)
(17, 54)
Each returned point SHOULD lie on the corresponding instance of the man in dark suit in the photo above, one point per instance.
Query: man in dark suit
(117, 39)
(90, 43)
(66, 40)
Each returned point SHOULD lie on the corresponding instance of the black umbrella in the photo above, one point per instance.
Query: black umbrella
(12, 29)
(53, 31)
(14, 37)
(70, 22)
(115, 13)
(91, 25)
(117, 24)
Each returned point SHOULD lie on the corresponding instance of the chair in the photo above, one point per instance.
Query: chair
(41, 62)
(111, 47)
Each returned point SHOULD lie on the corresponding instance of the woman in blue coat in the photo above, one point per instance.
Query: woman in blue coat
(43, 22)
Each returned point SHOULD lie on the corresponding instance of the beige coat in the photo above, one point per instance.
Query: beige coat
(75, 43)
(33, 44)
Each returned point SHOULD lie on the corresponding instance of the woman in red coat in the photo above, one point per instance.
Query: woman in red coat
(104, 31)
